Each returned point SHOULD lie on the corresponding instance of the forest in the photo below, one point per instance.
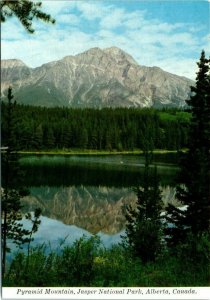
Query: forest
(41, 128)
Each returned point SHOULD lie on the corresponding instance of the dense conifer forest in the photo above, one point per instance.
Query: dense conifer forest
(41, 128)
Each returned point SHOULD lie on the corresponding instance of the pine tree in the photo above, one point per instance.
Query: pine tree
(26, 11)
(38, 137)
(193, 190)
(144, 225)
(11, 191)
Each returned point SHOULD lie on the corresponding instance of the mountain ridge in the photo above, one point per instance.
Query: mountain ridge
(95, 78)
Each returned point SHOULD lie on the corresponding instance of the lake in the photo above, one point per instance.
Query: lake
(87, 194)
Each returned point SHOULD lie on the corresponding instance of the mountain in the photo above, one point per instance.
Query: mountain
(95, 78)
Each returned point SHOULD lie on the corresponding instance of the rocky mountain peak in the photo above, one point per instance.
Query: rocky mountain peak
(92, 51)
(12, 63)
(120, 55)
(95, 78)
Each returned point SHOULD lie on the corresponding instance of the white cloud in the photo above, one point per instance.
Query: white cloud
(150, 41)
(57, 7)
(8, 30)
(69, 19)
(184, 66)
(114, 19)
(91, 10)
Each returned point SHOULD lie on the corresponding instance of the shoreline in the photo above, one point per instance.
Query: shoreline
(93, 152)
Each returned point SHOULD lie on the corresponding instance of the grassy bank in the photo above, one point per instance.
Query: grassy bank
(88, 263)
(90, 152)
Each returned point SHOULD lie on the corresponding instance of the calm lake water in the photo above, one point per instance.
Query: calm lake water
(87, 194)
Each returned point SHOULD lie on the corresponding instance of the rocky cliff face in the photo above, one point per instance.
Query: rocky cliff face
(12, 63)
(13, 73)
(94, 209)
(96, 78)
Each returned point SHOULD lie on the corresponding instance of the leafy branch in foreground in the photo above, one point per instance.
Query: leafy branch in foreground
(26, 11)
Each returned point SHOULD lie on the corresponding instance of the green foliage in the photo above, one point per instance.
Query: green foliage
(195, 250)
(144, 226)
(115, 267)
(12, 190)
(10, 197)
(37, 270)
(26, 11)
(169, 115)
(106, 129)
(193, 189)
(88, 263)
(75, 265)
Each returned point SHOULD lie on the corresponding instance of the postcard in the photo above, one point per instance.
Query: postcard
(105, 149)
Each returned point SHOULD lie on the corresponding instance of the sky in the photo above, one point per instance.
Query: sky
(168, 34)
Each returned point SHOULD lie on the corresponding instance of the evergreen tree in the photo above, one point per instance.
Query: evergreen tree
(144, 226)
(66, 137)
(11, 191)
(82, 138)
(26, 11)
(48, 137)
(38, 137)
(193, 190)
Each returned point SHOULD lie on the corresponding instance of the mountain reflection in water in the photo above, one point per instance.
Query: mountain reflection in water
(95, 209)
(87, 194)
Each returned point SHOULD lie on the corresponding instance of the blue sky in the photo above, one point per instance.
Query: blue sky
(168, 34)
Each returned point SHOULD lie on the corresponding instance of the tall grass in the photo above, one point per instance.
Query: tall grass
(88, 263)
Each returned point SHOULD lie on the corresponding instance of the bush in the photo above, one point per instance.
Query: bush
(75, 264)
(87, 263)
(37, 269)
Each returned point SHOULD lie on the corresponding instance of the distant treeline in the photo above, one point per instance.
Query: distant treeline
(37, 128)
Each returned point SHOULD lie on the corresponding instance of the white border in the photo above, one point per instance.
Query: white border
(201, 293)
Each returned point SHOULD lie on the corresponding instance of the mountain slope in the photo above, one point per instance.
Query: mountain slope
(95, 78)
